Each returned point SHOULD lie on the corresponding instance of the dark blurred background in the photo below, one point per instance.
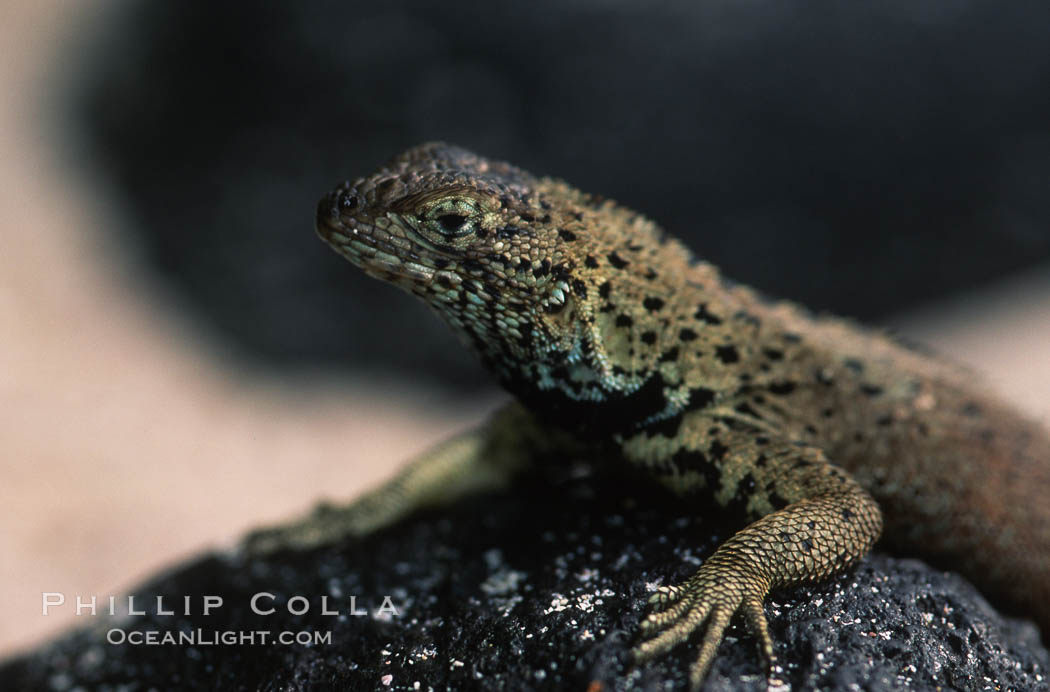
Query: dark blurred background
(858, 157)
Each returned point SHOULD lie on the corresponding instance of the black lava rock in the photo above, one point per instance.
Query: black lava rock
(541, 588)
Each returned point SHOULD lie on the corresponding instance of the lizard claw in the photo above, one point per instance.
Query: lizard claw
(708, 600)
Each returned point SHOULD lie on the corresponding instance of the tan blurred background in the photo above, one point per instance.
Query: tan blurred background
(127, 443)
(124, 445)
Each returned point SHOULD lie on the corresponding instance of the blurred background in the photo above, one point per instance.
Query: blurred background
(181, 360)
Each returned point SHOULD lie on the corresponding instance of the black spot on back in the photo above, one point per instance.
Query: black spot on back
(727, 354)
(705, 316)
(670, 355)
(652, 303)
(701, 397)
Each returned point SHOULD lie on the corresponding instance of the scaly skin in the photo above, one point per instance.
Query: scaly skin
(622, 345)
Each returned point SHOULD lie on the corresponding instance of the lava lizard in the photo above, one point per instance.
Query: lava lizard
(620, 344)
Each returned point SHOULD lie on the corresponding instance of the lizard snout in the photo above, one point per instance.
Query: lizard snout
(342, 199)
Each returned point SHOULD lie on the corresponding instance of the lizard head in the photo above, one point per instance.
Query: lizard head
(537, 275)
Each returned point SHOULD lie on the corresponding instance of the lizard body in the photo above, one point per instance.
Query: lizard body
(623, 346)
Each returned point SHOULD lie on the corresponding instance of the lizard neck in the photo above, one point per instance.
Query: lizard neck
(614, 355)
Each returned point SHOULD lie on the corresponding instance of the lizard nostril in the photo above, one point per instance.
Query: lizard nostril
(347, 200)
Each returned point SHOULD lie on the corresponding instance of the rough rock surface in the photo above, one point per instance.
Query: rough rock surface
(539, 588)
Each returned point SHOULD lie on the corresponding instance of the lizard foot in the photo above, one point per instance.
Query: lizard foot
(721, 587)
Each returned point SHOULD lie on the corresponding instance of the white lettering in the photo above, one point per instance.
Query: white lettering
(211, 602)
(131, 608)
(388, 607)
(50, 598)
(305, 608)
(255, 603)
(160, 607)
(85, 606)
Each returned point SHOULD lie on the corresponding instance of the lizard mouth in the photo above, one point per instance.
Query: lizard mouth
(378, 245)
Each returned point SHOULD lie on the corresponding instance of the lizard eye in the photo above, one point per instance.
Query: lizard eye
(452, 218)
(452, 223)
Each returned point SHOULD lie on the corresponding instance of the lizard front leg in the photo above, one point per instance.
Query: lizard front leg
(811, 520)
(481, 459)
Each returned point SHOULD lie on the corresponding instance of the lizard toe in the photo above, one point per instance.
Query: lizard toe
(660, 619)
(716, 627)
(756, 622)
